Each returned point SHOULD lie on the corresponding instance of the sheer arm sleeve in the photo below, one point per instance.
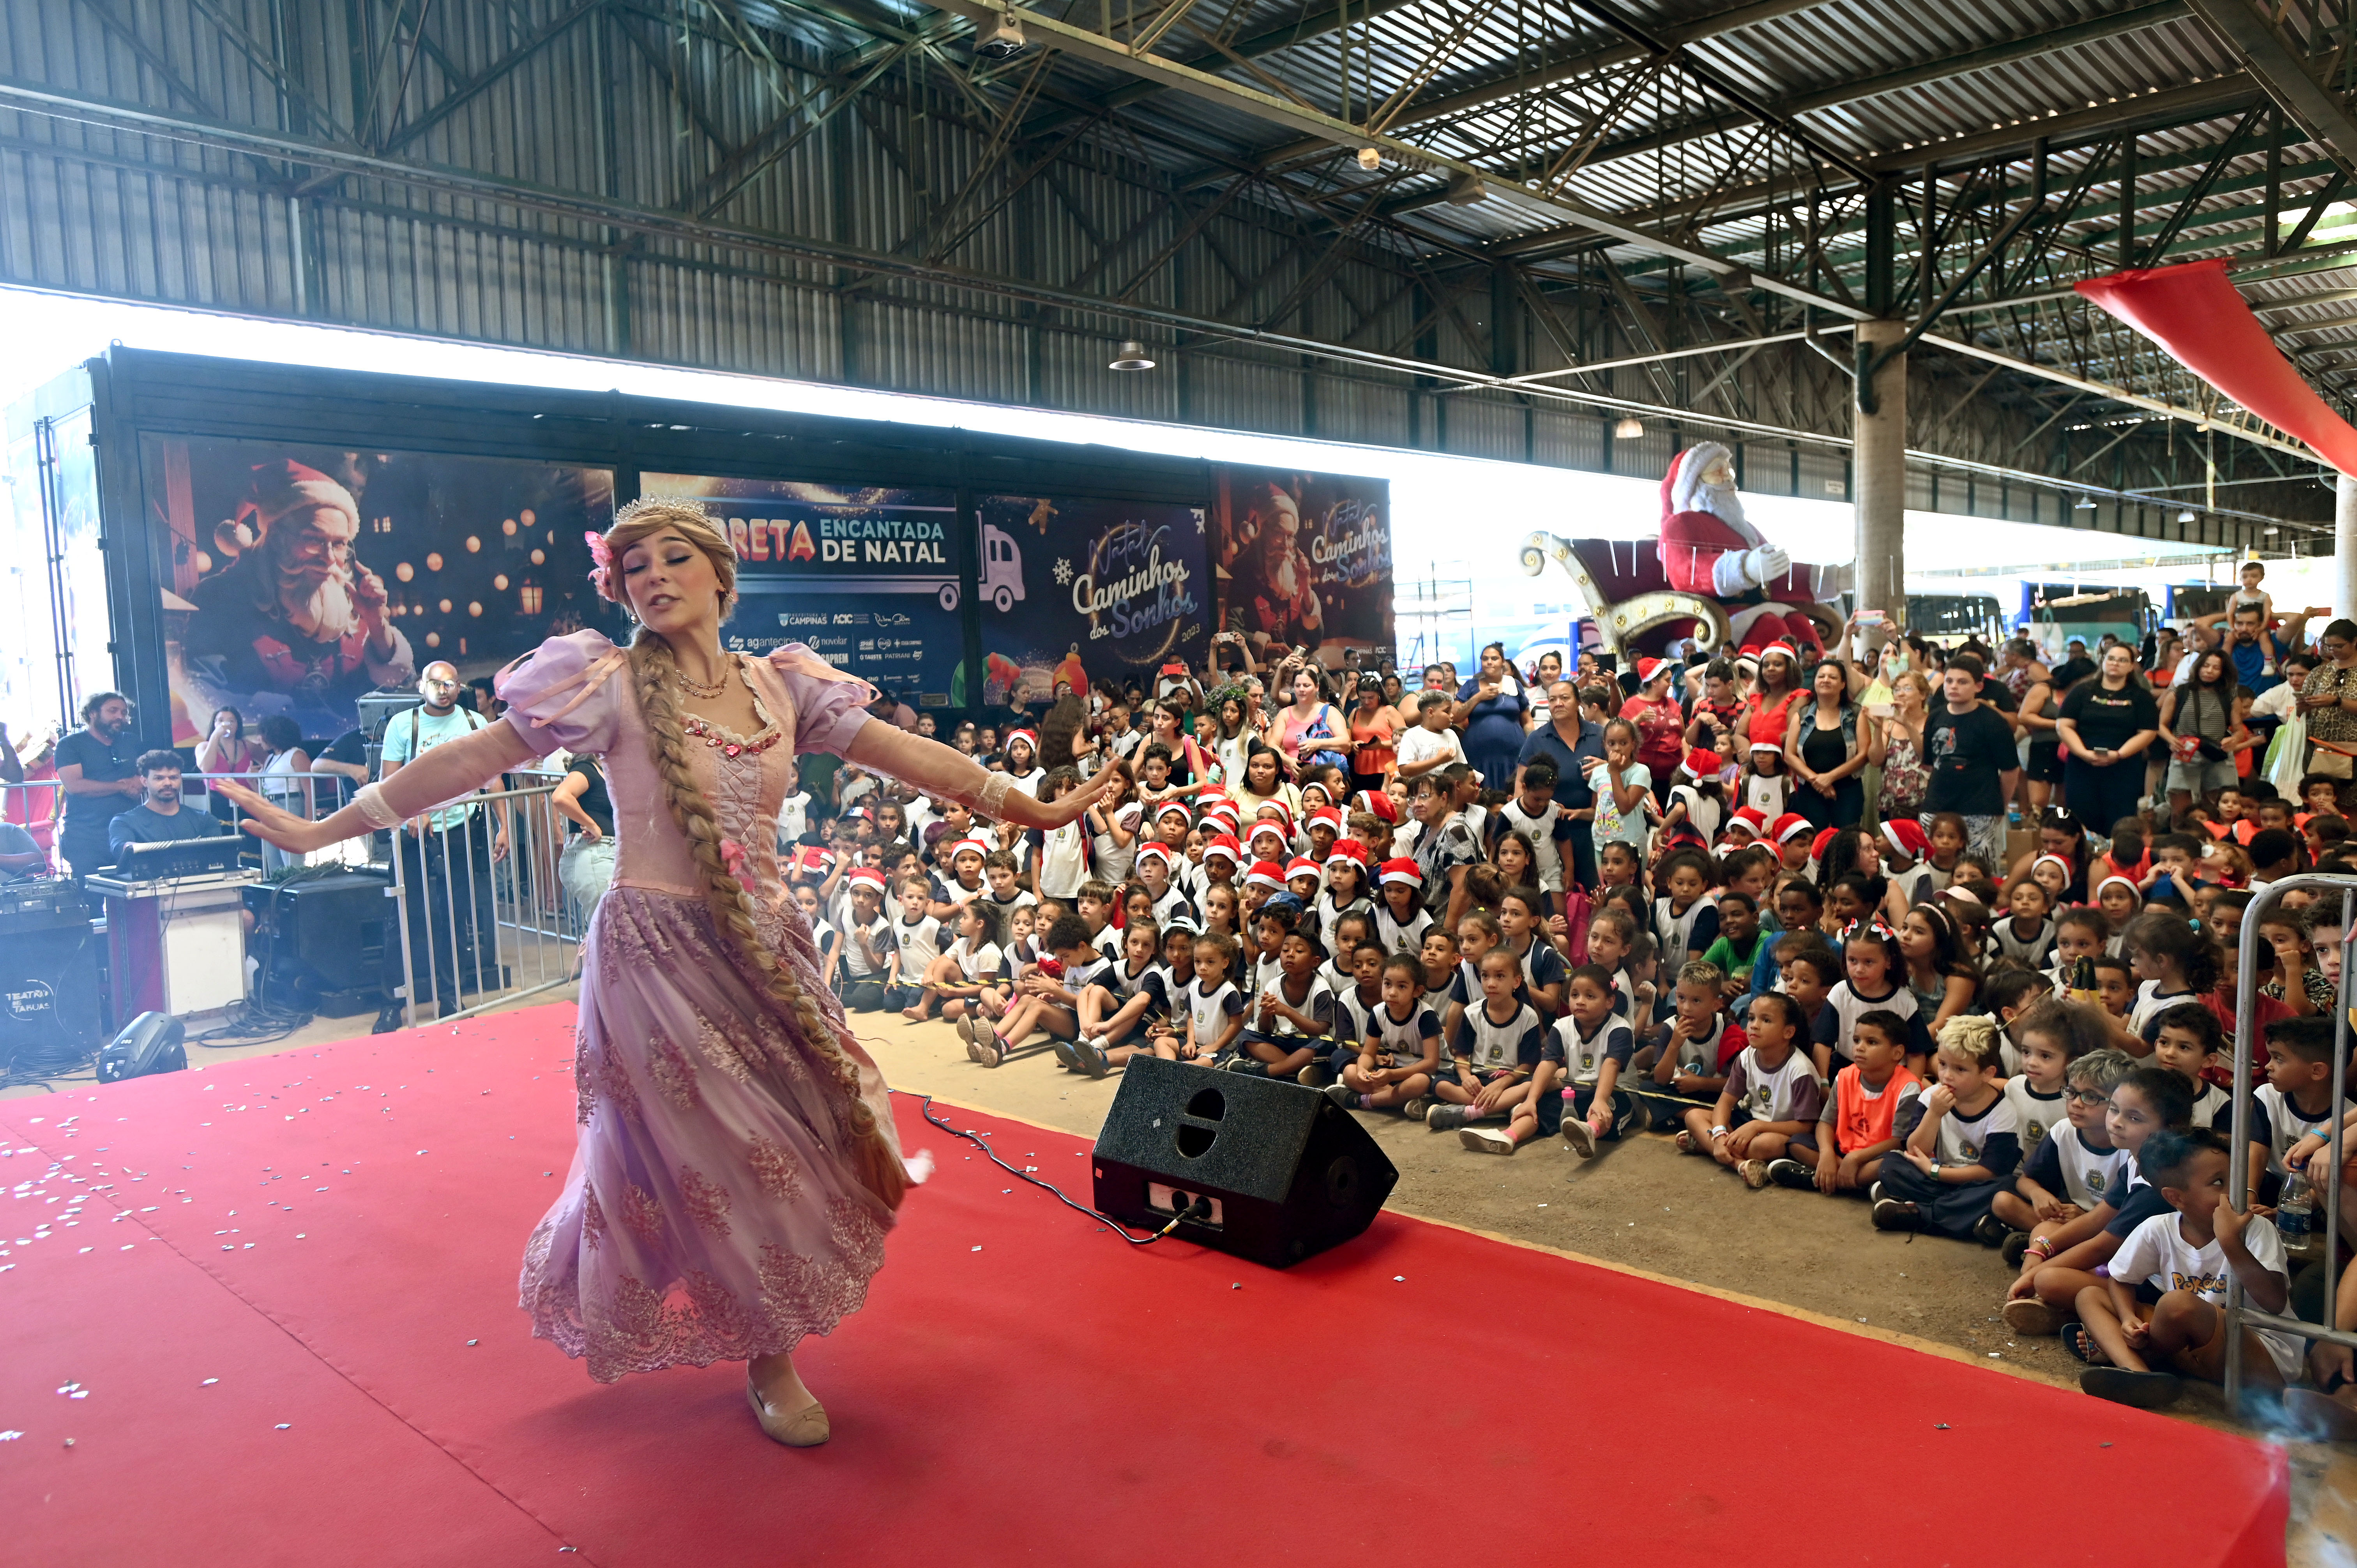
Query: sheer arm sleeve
(563, 694)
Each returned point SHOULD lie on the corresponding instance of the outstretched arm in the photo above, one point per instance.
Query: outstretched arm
(944, 774)
(441, 775)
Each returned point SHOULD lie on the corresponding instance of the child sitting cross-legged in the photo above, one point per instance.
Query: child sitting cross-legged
(1493, 1053)
(1116, 1004)
(1962, 1143)
(1292, 1026)
(958, 976)
(1048, 998)
(2138, 1352)
(1398, 1045)
(1860, 1123)
(1210, 1011)
(1772, 1096)
(1686, 1068)
(2148, 1101)
(1589, 1047)
(2072, 1179)
(2293, 1110)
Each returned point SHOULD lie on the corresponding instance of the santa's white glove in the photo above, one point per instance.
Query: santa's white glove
(1764, 564)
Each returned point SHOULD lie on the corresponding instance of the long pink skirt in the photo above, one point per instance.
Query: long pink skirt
(710, 1214)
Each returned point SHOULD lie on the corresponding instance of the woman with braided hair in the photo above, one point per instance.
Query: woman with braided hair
(737, 1166)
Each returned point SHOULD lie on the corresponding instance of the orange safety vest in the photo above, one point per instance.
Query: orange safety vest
(1859, 1121)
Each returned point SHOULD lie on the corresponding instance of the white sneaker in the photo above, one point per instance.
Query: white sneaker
(1486, 1140)
(1577, 1134)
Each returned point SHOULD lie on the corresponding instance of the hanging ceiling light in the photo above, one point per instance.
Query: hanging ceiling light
(1371, 158)
(2185, 516)
(1131, 357)
(1631, 428)
(2084, 503)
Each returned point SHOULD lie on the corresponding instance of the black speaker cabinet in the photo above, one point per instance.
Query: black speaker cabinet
(49, 993)
(1286, 1172)
(320, 939)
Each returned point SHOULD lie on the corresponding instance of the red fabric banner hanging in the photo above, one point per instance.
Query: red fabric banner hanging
(2194, 311)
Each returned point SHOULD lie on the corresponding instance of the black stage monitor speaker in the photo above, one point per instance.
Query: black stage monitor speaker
(151, 1043)
(320, 937)
(1287, 1173)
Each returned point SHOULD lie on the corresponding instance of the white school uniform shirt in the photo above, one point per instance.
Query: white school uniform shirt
(855, 958)
(1173, 902)
(1849, 1007)
(2158, 1254)
(1491, 1047)
(1964, 1141)
(1547, 859)
(1118, 978)
(1675, 932)
(2033, 949)
(1329, 916)
(1783, 1095)
(2091, 1177)
(2036, 1115)
(792, 817)
(1395, 1043)
(823, 933)
(1317, 1004)
(2280, 1124)
(1767, 795)
(978, 964)
(1583, 1055)
(1064, 860)
(1395, 937)
(919, 945)
(2150, 1003)
(2208, 1103)
(1210, 1010)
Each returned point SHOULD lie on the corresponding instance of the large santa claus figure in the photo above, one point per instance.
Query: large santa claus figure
(1707, 548)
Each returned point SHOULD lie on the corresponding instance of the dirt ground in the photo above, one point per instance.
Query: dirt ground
(1642, 1205)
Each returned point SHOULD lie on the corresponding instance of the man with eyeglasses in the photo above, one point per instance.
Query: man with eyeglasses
(446, 857)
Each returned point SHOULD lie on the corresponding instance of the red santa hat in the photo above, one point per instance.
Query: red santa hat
(866, 876)
(1790, 826)
(1822, 843)
(1405, 871)
(1160, 851)
(1265, 874)
(1783, 647)
(1176, 807)
(1766, 746)
(1225, 846)
(968, 846)
(2067, 869)
(1750, 819)
(284, 488)
(1262, 830)
(1026, 737)
(1327, 816)
(1651, 670)
(1276, 809)
(1750, 654)
(1907, 836)
(1301, 866)
(1350, 850)
(1378, 805)
(1699, 763)
(813, 859)
(2123, 880)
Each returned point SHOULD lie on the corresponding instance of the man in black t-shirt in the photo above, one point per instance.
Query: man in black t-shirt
(1969, 748)
(94, 767)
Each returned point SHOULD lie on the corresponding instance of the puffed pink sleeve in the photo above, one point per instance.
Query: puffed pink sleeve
(830, 707)
(564, 693)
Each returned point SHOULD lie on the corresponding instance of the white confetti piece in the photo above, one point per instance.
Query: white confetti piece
(79, 1394)
(977, 1249)
(10, 1436)
(1399, 1279)
(474, 1342)
(208, 1382)
(285, 1426)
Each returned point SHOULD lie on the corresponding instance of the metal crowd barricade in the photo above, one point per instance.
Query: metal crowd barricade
(479, 927)
(37, 806)
(2239, 1315)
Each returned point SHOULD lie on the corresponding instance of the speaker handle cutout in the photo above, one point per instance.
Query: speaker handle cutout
(1208, 1103)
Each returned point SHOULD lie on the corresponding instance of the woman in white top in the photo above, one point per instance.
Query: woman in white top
(285, 782)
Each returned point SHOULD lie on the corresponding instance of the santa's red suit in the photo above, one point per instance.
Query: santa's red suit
(1708, 548)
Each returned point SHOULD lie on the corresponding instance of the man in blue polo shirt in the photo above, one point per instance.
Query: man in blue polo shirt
(1567, 739)
(2250, 646)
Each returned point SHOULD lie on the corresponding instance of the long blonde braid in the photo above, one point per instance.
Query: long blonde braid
(653, 669)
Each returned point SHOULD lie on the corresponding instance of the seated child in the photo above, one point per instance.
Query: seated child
(1875, 979)
(2148, 1101)
(1687, 1069)
(1740, 938)
(2115, 993)
(2028, 935)
(2078, 933)
(1048, 998)
(871, 960)
(1116, 1005)
(2070, 1182)
(2051, 1036)
(2187, 1039)
(1212, 1013)
(957, 978)
(918, 935)
(1493, 1053)
(1292, 1027)
(824, 936)
(1589, 1049)
(1772, 1096)
(1397, 1042)
(1858, 1125)
(2136, 1353)
(1961, 1144)
(2294, 1104)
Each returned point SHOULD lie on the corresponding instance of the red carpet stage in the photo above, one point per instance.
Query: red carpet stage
(333, 1235)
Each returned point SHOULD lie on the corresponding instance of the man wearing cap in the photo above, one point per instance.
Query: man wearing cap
(295, 612)
(1567, 740)
(1968, 748)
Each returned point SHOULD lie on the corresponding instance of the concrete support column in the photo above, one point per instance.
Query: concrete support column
(1879, 461)
(2344, 547)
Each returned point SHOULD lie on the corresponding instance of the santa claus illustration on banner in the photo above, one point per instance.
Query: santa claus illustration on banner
(1710, 549)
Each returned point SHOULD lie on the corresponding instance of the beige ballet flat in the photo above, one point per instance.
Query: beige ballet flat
(805, 1428)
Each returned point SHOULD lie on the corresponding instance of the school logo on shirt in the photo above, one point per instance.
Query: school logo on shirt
(1760, 1095)
(1971, 1153)
(2037, 1131)
(2095, 1181)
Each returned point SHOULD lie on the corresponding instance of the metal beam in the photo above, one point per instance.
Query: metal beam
(1266, 107)
(2247, 30)
(1724, 346)
(1466, 100)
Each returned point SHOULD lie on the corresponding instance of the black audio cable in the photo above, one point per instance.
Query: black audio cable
(1201, 1209)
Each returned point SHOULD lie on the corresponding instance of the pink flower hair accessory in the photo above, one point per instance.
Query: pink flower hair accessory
(603, 554)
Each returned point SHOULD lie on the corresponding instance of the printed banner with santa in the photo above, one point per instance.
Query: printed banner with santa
(1304, 561)
(300, 575)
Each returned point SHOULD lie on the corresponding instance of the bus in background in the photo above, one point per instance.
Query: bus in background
(2052, 614)
(2188, 600)
(1950, 618)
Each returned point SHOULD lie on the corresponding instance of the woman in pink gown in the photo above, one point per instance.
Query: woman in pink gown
(737, 1166)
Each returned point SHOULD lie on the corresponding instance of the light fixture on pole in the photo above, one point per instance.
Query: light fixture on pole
(1631, 428)
(1131, 357)
(2084, 503)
